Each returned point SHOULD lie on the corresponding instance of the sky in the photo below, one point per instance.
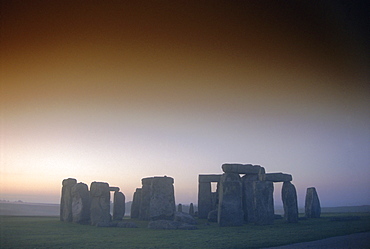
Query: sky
(116, 91)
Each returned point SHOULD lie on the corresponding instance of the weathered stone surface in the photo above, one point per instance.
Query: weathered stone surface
(66, 199)
(263, 202)
(191, 209)
(185, 218)
(100, 203)
(312, 204)
(80, 203)
(162, 199)
(114, 189)
(127, 225)
(241, 168)
(145, 198)
(179, 208)
(118, 206)
(213, 215)
(278, 177)
(209, 178)
(204, 199)
(290, 203)
(230, 212)
(135, 206)
(248, 197)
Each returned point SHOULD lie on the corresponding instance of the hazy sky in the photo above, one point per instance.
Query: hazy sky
(115, 91)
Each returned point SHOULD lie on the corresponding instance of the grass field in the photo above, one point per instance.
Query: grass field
(49, 232)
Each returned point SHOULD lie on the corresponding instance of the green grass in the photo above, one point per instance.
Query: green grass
(49, 232)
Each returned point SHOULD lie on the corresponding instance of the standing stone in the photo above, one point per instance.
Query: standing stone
(289, 197)
(191, 209)
(248, 197)
(312, 204)
(263, 202)
(100, 203)
(118, 206)
(80, 203)
(145, 198)
(135, 206)
(162, 199)
(204, 199)
(230, 211)
(179, 208)
(66, 199)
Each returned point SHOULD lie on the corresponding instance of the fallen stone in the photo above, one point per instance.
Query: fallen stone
(212, 216)
(185, 218)
(164, 224)
(106, 224)
(278, 177)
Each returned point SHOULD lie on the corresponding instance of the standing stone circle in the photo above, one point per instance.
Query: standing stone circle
(80, 203)
(312, 204)
(289, 198)
(66, 199)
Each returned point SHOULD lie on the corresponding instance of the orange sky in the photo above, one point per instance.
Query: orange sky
(118, 91)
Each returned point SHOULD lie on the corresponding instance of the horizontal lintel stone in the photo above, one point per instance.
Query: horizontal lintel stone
(278, 177)
(115, 189)
(241, 168)
(210, 178)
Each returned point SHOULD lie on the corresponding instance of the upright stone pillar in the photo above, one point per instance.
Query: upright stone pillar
(289, 197)
(248, 197)
(135, 206)
(80, 203)
(118, 205)
(263, 202)
(204, 199)
(191, 209)
(145, 198)
(230, 210)
(162, 199)
(66, 199)
(179, 208)
(100, 203)
(312, 204)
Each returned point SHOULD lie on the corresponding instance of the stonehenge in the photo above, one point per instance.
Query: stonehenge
(249, 199)
(79, 205)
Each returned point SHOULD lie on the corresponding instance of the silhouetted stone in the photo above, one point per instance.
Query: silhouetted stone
(162, 199)
(248, 197)
(289, 198)
(230, 212)
(114, 189)
(312, 204)
(170, 225)
(191, 209)
(66, 199)
(145, 198)
(118, 206)
(241, 168)
(206, 199)
(135, 206)
(213, 215)
(185, 218)
(278, 177)
(80, 203)
(179, 208)
(263, 202)
(100, 203)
